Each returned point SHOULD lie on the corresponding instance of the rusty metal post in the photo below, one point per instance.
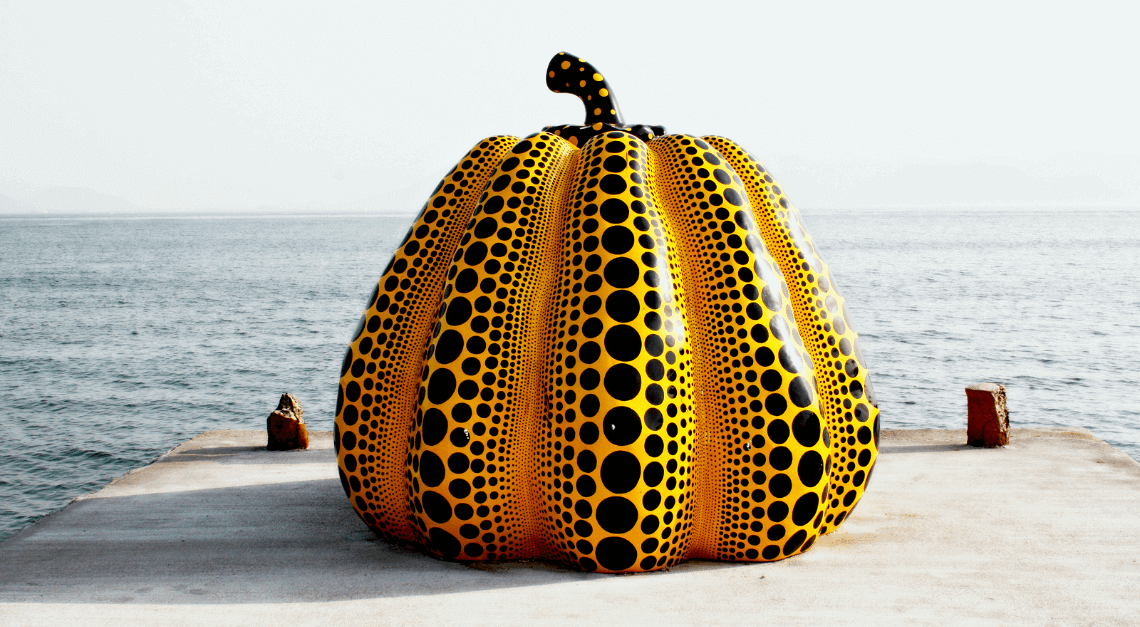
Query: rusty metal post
(286, 426)
(988, 422)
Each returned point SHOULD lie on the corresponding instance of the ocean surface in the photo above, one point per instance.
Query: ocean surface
(121, 337)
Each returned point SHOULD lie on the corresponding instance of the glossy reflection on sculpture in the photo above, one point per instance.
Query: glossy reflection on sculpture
(608, 347)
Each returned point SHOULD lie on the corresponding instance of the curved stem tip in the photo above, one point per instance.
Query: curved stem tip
(569, 74)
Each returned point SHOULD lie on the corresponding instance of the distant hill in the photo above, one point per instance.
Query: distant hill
(989, 186)
(407, 200)
(11, 205)
(77, 200)
(839, 185)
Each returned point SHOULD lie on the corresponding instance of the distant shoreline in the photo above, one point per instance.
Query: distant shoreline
(187, 215)
(338, 213)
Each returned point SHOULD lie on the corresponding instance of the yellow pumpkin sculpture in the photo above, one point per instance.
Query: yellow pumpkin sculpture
(607, 347)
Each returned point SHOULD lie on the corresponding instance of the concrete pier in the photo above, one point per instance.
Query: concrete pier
(220, 531)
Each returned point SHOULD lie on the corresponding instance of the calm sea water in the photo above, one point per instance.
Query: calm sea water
(122, 337)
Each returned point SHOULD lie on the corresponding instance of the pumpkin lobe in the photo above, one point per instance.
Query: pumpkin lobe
(618, 448)
(846, 396)
(472, 445)
(380, 376)
(754, 502)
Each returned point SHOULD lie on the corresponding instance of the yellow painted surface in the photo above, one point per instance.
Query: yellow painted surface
(590, 354)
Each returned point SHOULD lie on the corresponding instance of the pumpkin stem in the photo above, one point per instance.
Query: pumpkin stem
(569, 74)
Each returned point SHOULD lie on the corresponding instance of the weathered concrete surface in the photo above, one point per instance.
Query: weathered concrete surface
(222, 532)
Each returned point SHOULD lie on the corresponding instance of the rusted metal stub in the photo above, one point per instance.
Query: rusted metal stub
(286, 426)
(988, 418)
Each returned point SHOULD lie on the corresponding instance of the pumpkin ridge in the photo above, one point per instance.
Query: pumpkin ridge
(537, 402)
(749, 485)
(846, 395)
(659, 189)
(376, 399)
(544, 428)
(613, 461)
(469, 452)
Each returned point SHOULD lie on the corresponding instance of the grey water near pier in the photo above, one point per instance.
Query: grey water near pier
(122, 336)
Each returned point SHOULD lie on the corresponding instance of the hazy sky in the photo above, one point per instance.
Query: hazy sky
(860, 104)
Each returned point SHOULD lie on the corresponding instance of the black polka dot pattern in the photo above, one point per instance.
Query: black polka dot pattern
(569, 74)
(590, 348)
(616, 456)
(377, 402)
(753, 473)
(472, 445)
(846, 396)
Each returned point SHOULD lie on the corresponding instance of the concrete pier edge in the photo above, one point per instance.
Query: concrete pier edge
(220, 531)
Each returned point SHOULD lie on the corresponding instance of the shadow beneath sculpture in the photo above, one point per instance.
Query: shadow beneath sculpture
(157, 537)
(924, 448)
